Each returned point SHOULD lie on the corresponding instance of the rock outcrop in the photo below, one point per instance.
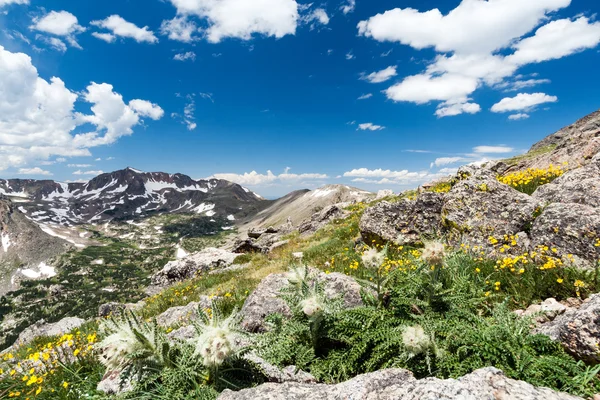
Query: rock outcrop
(191, 266)
(394, 384)
(570, 229)
(266, 299)
(578, 330)
(480, 206)
(404, 222)
(42, 329)
(579, 186)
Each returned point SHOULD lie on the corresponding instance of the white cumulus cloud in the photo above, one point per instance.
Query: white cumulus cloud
(256, 179)
(380, 76)
(38, 117)
(180, 29)
(79, 172)
(34, 171)
(348, 7)
(7, 2)
(518, 117)
(120, 27)
(522, 101)
(59, 23)
(474, 42)
(242, 19)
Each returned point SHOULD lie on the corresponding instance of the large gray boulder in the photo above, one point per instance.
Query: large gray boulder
(570, 229)
(42, 329)
(322, 218)
(266, 299)
(578, 330)
(395, 384)
(191, 266)
(479, 206)
(581, 186)
(183, 315)
(404, 222)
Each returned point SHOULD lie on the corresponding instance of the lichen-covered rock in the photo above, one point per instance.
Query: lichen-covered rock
(570, 229)
(322, 218)
(578, 330)
(404, 222)
(398, 384)
(183, 315)
(479, 206)
(266, 299)
(42, 329)
(580, 185)
(192, 265)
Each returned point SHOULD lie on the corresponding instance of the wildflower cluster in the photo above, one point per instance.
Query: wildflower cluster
(529, 180)
(34, 370)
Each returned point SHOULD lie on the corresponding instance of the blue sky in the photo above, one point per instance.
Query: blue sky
(237, 88)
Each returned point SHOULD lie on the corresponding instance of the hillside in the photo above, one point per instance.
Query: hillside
(486, 283)
(25, 248)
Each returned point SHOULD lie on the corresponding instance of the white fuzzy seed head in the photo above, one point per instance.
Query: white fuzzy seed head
(416, 340)
(434, 253)
(297, 275)
(311, 306)
(372, 259)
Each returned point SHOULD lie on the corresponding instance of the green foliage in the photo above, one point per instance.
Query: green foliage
(503, 340)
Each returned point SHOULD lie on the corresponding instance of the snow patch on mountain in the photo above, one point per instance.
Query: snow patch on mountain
(5, 242)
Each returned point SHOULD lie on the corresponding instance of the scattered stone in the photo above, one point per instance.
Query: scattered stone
(404, 222)
(275, 374)
(394, 384)
(578, 330)
(546, 311)
(243, 246)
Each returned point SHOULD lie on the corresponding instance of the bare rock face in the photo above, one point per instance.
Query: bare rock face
(571, 229)
(479, 207)
(574, 144)
(580, 186)
(190, 266)
(578, 330)
(404, 222)
(266, 299)
(394, 384)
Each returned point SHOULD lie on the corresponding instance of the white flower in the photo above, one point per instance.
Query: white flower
(311, 306)
(116, 347)
(434, 253)
(297, 275)
(373, 259)
(415, 340)
(217, 340)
